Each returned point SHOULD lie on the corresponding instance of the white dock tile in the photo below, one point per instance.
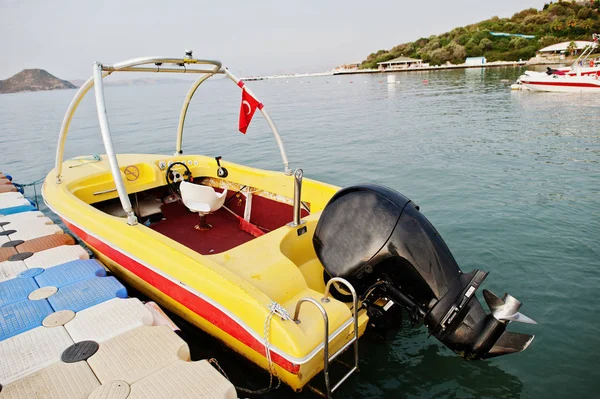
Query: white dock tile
(12, 194)
(137, 353)
(58, 381)
(10, 269)
(22, 216)
(111, 390)
(56, 256)
(17, 224)
(184, 380)
(12, 201)
(109, 319)
(31, 351)
(30, 231)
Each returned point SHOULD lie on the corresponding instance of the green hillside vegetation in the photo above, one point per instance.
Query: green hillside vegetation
(557, 22)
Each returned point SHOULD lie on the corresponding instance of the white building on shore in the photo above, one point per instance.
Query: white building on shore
(401, 63)
(475, 61)
(564, 46)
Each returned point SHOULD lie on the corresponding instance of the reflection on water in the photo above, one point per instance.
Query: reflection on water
(409, 366)
(510, 179)
(415, 366)
(570, 104)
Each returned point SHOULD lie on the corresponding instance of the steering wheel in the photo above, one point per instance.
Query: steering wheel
(173, 176)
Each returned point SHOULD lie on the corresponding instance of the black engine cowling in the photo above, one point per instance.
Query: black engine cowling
(379, 241)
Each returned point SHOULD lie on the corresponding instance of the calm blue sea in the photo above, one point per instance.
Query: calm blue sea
(511, 180)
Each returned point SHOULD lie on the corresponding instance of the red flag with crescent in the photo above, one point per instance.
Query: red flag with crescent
(247, 109)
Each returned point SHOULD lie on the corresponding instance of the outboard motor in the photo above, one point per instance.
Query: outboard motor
(378, 240)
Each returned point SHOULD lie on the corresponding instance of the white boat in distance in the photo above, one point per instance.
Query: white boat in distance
(575, 79)
(560, 83)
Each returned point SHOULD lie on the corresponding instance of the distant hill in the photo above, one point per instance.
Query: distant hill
(33, 80)
(556, 22)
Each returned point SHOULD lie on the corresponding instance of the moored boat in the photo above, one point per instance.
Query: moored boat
(582, 76)
(289, 272)
(561, 83)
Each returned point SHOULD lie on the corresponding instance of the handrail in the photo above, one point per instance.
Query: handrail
(66, 123)
(118, 67)
(326, 358)
(589, 48)
(184, 109)
(162, 70)
(346, 284)
(108, 145)
(188, 60)
(297, 220)
(354, 315)
(326, 338)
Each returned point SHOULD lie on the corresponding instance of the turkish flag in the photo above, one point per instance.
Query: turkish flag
(247, 108)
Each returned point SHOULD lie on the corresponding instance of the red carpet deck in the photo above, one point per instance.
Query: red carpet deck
(179, 226)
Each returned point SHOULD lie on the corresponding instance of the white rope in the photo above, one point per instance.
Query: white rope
(277, 309)
(274, 309)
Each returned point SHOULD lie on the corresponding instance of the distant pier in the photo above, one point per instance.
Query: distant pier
(494, 64)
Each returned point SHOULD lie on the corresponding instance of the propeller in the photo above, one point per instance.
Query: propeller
(505, 309)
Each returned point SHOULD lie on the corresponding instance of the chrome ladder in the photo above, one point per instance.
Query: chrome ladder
(328, 359)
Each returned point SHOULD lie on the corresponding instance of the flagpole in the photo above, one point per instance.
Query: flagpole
(262, 109)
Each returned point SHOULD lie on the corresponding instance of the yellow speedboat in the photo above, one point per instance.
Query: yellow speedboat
(286, 271)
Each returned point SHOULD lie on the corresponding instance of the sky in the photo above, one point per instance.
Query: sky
(258, 37)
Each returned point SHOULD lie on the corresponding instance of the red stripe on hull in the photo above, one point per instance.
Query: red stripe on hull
(196, 304)
(564, 84)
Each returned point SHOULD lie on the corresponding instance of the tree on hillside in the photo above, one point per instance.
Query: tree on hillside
(536, 19)
(571, 48)
(521, 15)
(486, 44)
(557, 9)
(583, 13)
(472, 48)
(518, 42)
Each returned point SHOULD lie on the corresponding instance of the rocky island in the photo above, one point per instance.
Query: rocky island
(33, 80)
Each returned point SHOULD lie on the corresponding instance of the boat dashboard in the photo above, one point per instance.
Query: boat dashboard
(137, 176)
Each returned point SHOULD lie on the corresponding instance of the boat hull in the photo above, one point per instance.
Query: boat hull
(540, 81)
(200, 290)
(203, 314)
(536, 86)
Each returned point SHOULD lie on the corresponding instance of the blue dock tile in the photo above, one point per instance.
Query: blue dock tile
(17, 209)
(16, 289)
(86, 293)
(22, 316)
(70, 272)
(30, 273)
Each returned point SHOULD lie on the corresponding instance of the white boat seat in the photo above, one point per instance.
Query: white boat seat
(201, 199)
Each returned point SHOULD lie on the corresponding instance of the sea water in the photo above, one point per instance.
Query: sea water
(510, 179)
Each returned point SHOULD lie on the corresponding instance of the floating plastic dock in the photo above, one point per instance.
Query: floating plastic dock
(69, 330)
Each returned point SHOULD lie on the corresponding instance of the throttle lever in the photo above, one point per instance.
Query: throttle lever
(221, 171)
